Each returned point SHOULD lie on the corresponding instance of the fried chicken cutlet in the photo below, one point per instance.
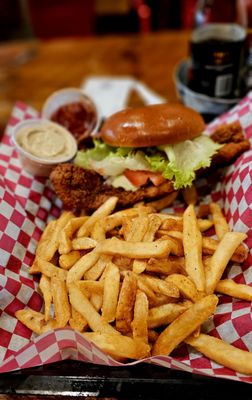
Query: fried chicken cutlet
(84, 189)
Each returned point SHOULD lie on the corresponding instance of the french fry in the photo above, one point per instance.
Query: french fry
(50, 270)
(237, 290)
(35, 321)
(171, 224)
(166, 313)
(49, 241)
(209, 245)
(98, 232)
(160, 299)
(119, 345)
(42, 249)
(139, 266)
(88, 287)
(166, 266)
(139, 323)
(81, 266)
(153, 226)
(65, 236)
(104, 210)
(220, 223)
(111, 292)
(96, 299)
(126, 301)
(65, 243)
(81, 303)
(164, 201)
(175, 223)
(192, 242)
(66, 261)
(77, 321)
(34, 268)
(54, 241)
(161, 286)
(83, 243)
(222, 352)
(60, 301)
(123, 262)
(176, 245)
(135, 229)
(141, 284)
(116, 246)
(45, 287)
(97, 269)
(221, 257)
(185, 285)
(204, 224)
(190, 195)
(185, 325)
(116, 218)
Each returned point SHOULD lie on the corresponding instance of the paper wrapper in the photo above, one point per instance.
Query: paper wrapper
(28, 203)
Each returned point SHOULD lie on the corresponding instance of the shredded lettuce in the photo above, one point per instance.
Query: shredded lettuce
(177, 162)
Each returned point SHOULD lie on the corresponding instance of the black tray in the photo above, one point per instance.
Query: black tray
(144, 381)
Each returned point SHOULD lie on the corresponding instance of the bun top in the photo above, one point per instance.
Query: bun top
(152, 125)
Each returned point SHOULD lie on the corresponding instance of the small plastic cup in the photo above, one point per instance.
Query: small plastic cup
(40, 164)
(68, 97)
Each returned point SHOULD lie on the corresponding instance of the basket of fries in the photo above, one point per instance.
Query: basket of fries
(169, 287)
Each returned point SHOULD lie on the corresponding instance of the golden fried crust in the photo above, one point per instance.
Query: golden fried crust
(233, 140)
(84, 189)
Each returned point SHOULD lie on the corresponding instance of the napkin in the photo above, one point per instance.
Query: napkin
(28, 203)
(111, 94)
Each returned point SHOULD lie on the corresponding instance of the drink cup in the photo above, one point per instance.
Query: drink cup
(218, 53)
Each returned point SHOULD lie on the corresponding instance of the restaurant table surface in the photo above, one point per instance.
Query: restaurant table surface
(29, 72)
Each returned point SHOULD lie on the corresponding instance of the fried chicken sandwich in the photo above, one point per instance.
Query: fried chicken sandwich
(144, 153)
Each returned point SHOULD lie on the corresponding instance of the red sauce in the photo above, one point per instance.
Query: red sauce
(78, 118)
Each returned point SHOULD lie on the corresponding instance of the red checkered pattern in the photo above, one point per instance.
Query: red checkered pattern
(26, 205)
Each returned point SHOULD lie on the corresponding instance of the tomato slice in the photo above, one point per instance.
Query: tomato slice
(140, 178)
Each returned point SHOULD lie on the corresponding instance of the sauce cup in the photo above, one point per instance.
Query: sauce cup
(42, 144)
(73, 109)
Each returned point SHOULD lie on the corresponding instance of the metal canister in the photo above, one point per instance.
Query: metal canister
(218, 52)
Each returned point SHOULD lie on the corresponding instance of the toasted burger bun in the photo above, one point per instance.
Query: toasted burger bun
(152, 125)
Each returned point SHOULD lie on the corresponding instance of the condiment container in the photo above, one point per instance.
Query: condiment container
(74, 110)
(42, 144)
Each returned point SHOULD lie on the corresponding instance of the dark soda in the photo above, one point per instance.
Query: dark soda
(218, 53)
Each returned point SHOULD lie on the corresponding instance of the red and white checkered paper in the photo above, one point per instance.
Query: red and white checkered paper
(28, 203)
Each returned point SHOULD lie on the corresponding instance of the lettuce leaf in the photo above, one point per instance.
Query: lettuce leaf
(111, 161)
(185, 158)
(177, 162)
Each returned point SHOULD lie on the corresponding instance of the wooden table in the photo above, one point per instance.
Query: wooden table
(56, 64)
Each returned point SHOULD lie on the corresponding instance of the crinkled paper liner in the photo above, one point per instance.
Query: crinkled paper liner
(28, 203)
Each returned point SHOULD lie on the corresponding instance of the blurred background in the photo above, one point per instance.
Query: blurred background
(36, 24)
(60, 18)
